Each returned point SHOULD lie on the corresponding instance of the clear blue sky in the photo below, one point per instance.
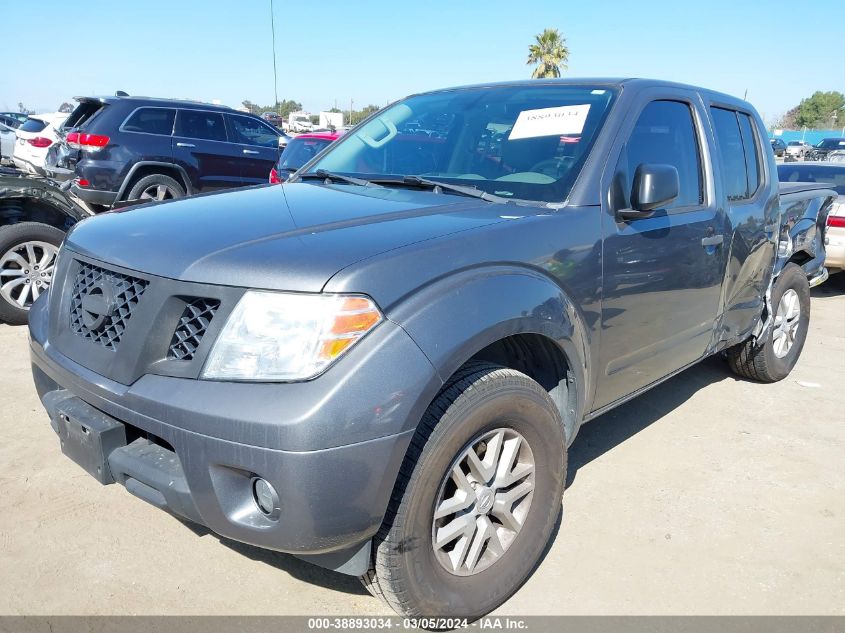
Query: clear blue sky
(374, 51)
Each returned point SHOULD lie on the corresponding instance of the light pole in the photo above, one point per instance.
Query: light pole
(275, 74)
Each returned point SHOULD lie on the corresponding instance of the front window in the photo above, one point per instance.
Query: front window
(515, 142)
(250, 131)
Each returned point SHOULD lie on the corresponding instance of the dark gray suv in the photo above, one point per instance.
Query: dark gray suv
(379, 366)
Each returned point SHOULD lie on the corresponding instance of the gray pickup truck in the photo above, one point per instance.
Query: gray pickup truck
(378, 367)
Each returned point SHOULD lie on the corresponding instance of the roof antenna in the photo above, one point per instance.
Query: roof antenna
(120, 93)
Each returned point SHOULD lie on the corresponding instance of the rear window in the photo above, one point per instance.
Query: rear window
(33, 125)
(151, 121)
(83, 113)
(834, 176)
(201, 125)
(832, 143)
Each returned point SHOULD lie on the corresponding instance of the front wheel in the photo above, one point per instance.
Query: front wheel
(476, 499)
(27, 258)
(772, 357)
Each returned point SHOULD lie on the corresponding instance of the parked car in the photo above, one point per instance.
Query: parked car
(379, 365)
(124, 148)
(831, 175)
(797, 149)
(778, 146)
(298, 152)
(273, 118)
(836, 157)
(13, 119)
(34, 215)
(300, 123)
(7, 142)
(821, 150)
(34, 137)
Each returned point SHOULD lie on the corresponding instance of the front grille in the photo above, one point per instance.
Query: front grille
(117, 295)
(193, 325)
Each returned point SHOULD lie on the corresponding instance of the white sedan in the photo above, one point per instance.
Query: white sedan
(34, 138)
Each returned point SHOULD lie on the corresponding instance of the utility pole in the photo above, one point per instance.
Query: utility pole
(275, 74)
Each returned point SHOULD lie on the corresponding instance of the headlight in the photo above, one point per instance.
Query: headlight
(286, 336)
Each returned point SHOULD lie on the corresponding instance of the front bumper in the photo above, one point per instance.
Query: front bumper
(332, 499)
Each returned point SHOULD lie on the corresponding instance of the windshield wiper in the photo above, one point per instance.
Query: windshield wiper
(437, 186)
(328, 176)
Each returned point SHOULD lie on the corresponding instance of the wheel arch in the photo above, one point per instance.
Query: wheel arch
(33, 209)
(511, 315)
(142, 169)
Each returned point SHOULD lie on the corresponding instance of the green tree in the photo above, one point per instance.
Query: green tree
(250, 106)
(549, 53)
(356, 116)
(822, 109)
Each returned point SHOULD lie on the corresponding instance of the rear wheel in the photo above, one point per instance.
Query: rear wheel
(476, 499)
(156, 187)
(27, 258)
(772, 357)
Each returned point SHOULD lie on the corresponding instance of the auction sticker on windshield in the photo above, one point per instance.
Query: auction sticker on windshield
(550, 121)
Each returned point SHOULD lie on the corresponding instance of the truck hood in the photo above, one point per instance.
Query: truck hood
(279, 237)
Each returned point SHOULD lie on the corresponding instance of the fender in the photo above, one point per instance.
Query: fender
(147, 163)
(457, 316)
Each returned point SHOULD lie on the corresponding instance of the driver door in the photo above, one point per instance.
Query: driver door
(662, 274)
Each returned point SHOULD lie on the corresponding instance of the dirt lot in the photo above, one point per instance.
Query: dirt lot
(708, 495)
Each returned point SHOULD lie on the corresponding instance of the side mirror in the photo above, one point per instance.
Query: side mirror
(654, 186)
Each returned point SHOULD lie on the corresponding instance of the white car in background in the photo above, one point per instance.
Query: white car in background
(797, 149)
(34, 138)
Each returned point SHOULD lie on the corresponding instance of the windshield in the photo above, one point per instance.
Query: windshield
(516, 142)
(300, 150)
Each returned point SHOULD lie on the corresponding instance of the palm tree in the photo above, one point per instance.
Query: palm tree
(549, 53)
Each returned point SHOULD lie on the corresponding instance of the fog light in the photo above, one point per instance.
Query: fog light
(266, 497)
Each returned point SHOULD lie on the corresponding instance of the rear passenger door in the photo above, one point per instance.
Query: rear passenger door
(663, 273)
(202, 148)
(259, 147)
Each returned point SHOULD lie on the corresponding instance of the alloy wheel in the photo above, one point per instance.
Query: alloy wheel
(787, 322)
(157, 192)
(483, 502)
(26, 271)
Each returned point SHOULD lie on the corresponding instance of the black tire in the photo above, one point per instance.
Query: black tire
(169, 188)
(757, 360)
(13, 239)
(480, 398)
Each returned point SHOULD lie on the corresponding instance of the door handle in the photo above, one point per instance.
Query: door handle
(250, 151)
(185, 145)
(713, 240)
